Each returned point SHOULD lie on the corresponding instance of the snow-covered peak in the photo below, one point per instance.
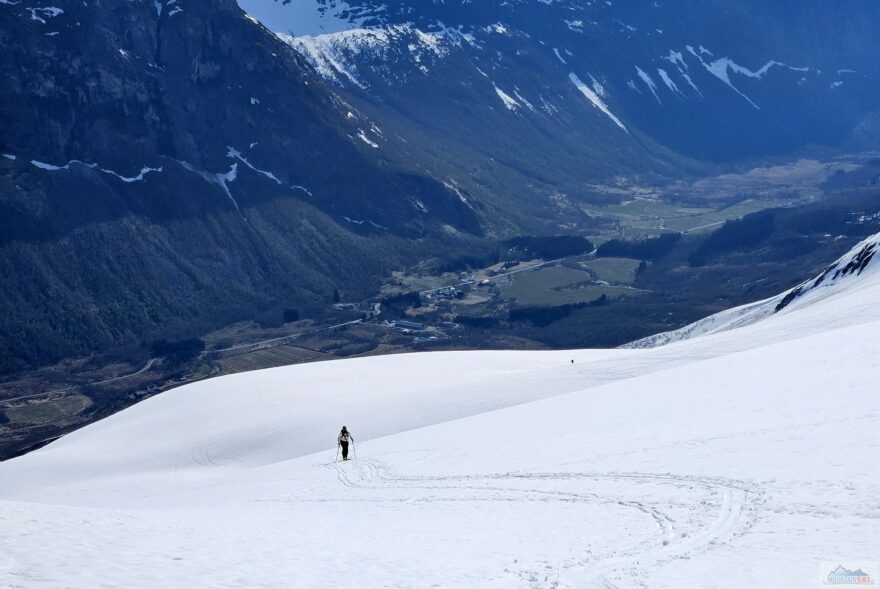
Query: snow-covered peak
(855, 271)
(339, 57)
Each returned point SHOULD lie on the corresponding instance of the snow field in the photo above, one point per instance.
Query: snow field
(736, 457)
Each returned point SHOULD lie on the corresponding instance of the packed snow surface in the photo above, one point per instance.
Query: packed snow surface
(744, 457)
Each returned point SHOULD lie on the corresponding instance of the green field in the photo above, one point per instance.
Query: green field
(712, 220)
(48, 411)
(642, 217)
(615, 270)
(557, 285)
(640, 208)
(631, 208)
(282, 355)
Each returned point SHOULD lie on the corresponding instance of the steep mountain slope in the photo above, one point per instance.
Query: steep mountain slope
(566, 93)
(168, 166)
(713, 460)
(844, 278)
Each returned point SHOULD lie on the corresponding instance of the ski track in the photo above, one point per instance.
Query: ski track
(736, 505)
(714, 461)
(201, 455)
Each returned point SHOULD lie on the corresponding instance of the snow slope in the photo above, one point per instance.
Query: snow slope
(741, 458)
(848, 275)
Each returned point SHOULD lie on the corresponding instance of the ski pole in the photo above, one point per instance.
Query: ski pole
(354, 450)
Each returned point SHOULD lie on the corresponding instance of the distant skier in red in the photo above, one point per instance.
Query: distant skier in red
(343, 439)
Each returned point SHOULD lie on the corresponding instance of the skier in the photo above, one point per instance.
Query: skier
(342, 440)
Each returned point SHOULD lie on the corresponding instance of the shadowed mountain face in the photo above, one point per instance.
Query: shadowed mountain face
(167, 166)
(714, 80)
(172, 165)
(197, 89)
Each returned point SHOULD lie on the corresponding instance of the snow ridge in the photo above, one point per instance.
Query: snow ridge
(220, 179)
(852, 271)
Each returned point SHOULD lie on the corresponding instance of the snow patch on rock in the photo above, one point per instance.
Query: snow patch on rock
(668, 81)
(509, 102)
(649, 82)
(595, 99)
(127, 179)
(233, 153)
(363, 137)
(723, 67)
(337, 56)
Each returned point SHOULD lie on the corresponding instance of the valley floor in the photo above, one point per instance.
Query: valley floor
(744, 458)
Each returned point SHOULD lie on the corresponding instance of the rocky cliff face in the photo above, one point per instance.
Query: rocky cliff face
(167, 166)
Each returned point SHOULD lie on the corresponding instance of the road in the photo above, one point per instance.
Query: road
(149, 364)
(144, 368)
(282, 338)
(709, 225)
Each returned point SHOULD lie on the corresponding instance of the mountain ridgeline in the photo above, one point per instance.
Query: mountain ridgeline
(578, 90)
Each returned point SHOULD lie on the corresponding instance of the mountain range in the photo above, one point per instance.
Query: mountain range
(171, 166)
(629, 84)
(193, 190)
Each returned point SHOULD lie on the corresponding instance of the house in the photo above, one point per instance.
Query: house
(409, 325)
